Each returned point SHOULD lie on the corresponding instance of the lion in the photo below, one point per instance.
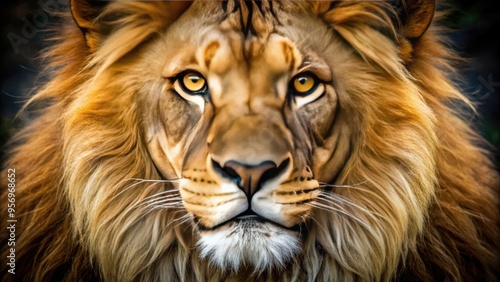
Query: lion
(251, 141)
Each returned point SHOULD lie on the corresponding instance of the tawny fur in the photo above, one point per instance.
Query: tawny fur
(417, 162)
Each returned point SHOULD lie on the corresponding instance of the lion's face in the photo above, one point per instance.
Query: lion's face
(241, 119)
(248, 136)
(251, 141)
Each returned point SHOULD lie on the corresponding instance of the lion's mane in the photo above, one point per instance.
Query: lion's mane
(77, 213)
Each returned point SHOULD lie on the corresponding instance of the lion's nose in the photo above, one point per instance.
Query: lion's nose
(250, 178)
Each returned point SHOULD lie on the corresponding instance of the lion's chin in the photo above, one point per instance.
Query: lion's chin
(249, 243)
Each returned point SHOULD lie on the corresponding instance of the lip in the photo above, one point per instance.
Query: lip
(248, 216)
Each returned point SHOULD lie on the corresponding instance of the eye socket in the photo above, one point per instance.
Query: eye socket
(305, 88)
(192, 83)
(303, 84)
(192, 87)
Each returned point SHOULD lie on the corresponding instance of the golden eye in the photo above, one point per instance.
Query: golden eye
(305, 88)
(193, 83)
(304, 84)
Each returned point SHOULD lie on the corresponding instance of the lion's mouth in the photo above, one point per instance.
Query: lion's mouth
(248, 216)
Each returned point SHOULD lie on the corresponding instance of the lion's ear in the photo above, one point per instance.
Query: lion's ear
(416, 17)
(98, 19)
(85, 13)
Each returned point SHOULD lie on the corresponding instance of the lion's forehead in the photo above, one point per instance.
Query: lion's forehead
(243, 35)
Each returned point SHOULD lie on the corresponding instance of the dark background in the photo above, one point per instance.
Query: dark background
(475, 23)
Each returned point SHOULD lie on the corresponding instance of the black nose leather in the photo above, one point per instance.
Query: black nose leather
(250, 178)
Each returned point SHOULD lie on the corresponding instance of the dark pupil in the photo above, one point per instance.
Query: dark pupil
(303, 80)
(194, 79)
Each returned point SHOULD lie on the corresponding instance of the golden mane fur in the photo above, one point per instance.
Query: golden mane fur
(83, 167)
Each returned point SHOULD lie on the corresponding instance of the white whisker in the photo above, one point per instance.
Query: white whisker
(324, 184)
(353, 187)
(176, 205)
(331, 197)
(163, 201)
(161, 193)
(136, 184)
(181, 220)
(339, 210)
(155, 180)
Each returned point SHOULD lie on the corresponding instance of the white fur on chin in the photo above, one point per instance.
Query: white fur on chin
(252, 243)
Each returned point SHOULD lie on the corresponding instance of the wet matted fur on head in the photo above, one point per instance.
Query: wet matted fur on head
(251, 141)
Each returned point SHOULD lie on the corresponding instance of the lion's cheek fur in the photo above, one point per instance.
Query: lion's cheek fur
(399, 181)
(98, 176)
